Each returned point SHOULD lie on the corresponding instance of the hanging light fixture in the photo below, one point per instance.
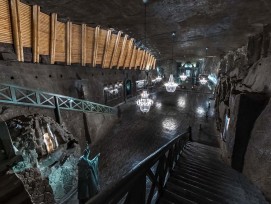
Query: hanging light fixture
(203, 80)
(183, 77)
(171, 85)
(145, 102)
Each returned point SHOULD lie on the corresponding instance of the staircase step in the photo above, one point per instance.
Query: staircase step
(172, 197)
(216, 189)
(189, 194)
(203, 192)
(207, 174)
(204, 179)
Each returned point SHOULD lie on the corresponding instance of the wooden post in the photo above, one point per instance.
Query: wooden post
(137, 56)
(154, 64)
(84, 39)
(16, 29)
(133, 57)
(69, 43)
(53, 37)
(115, 49)
(35, 33)
(107, 42)
(96, 41)
(142, 59)
(122, 50)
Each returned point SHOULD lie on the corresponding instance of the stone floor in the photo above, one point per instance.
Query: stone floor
(137, 134)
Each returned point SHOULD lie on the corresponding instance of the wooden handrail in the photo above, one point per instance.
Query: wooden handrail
(135, 180)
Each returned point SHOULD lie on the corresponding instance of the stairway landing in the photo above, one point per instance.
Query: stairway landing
(201, 177)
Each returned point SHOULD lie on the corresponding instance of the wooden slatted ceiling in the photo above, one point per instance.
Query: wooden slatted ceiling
(90, 44)
(60, 42)
(101, 46)
(133, 57)
(5, 22)
(25, 13)
(110, 50)
(76, 43)
(44, 34)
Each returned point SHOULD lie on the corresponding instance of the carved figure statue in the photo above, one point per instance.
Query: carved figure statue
(88, 178)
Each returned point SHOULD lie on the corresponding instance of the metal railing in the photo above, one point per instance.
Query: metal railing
(17, 95)
(135, 188)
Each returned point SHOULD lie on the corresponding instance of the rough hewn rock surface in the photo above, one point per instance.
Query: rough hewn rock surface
(246, 72)
(257, 160)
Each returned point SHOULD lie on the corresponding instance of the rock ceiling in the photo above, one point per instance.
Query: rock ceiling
(220, 25)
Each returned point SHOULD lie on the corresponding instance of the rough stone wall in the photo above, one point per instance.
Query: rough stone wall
(242, 94)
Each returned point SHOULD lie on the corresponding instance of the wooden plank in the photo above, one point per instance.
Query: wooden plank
(142, 60)
(122, 50)
(95, 50)
(76, 44)
(83, 46)
(151, 62)
(60, 55)
(138, 58)
(115, 49)
(16, 29)
(44, 34)
(69, 43)
(90, 35)
(133, 57)
(35, 33)
(107, 42)
(5, 22)
(129, 54)
(25, 12)
(53, 37)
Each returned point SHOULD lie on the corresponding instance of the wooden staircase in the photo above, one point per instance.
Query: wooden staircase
(12, 190)
(199, 176)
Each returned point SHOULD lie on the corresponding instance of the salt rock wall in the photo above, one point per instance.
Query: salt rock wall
(50, 156)
(242, 96)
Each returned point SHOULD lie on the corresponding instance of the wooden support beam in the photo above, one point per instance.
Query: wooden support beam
(107, 43)
(84, 46)
(151, 64)
(122, 50)
(133, 57)
(137, 56)
(142, 60)
(116, 46)
(53, 38)
(129, 52)
(96, 43)
(16, 29)
(69, 43)
(154, 64)
(147, 61)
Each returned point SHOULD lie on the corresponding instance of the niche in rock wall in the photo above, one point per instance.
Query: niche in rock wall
(250, 107)
(49, 152)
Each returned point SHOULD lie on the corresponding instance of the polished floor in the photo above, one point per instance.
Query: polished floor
(137, 134)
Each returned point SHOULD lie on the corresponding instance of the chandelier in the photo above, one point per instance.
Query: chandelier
(158, 79)
(171, 85)
(203, 80)
(144, 102)
(183, 77)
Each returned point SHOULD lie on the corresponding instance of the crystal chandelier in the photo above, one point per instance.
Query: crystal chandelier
(171, 85)
(144, 102)
(158, 79)
(203, 80)
(183, 77)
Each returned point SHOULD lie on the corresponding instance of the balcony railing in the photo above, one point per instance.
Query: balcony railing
(145, 183)
(28, 97)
